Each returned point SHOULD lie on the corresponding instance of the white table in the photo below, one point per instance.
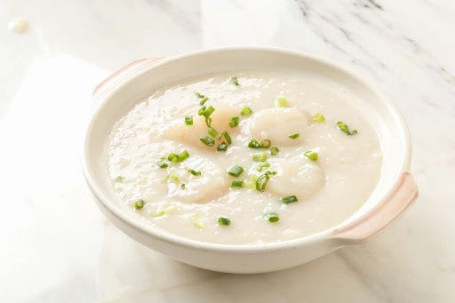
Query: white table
(55, 246)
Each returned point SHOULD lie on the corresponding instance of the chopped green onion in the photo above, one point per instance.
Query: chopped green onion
(252, 182)
(262, 165)
(254, 144)
(206, 112)
(272, 217)
(237, 184)
(139, 204)
(189, 120)
(183, 155)
(162, 164)
(265, 143)
(173, 157)
(194, 172)
(260, 157)
(182, 187)
(177, 158)
(222, 146)
(207, 141)
(235, 80)
(202, 102)
(274, 150)
(289, 199)
(262, 180)
(318, 117)
(118, 179)
(313, 156)
(234, 121)
(246, 111)
(212, 132)
(224, 221)
(173, 178)
(282, 102)
(235, 171)
(294, 136)
(200, 96)
(226, 136)
(345, 129)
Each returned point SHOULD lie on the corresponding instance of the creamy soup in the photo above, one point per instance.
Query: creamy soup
(254, 157)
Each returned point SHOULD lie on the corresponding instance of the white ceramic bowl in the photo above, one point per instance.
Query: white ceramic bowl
(395, 191)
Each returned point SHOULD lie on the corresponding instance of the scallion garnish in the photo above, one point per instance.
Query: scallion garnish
(224, 221)
(235, 171)
(254, 144)
(139, 204)
(189, 120)
(289, 199)
(318, 117)
(294, 136)
(173, 157)
(173, 178)
(212, 132)
(118, 179)
(234, 121)
(272, 217)
(222, 147)
(265, 143)
(183, 155)
(274, 150)
(226, 136)
(345, 129)
(202, 102)
(237, 184)
(262, 180)
(177, 158)
(200, 96)
(261, 166)
(246, 111)
(260, 157)
(162, 163)
(194, 172)
(206, 112)
(252, 182)
(313, 156)
(235, 80)
(182, 186)
(207, 141)
(281, 102)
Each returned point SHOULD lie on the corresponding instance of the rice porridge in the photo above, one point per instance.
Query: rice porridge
(255, 157)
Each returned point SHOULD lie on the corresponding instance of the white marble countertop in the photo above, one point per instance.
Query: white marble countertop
(55, 246)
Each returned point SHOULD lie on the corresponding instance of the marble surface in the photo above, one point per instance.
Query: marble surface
(55, 246)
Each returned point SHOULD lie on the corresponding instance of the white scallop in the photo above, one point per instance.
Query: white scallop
(211, 184)
(298, 176)
(191, 134)
(276, 124)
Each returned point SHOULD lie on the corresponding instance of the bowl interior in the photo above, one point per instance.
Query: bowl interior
(382, 113)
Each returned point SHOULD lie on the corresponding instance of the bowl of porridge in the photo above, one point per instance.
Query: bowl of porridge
(246, 160)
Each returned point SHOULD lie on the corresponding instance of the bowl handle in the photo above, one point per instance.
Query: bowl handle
(122, 75)
(400, 198)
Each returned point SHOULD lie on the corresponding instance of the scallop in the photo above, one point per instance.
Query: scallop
(299, 177)
(191, 134)
(210, 184)
(276, 124)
